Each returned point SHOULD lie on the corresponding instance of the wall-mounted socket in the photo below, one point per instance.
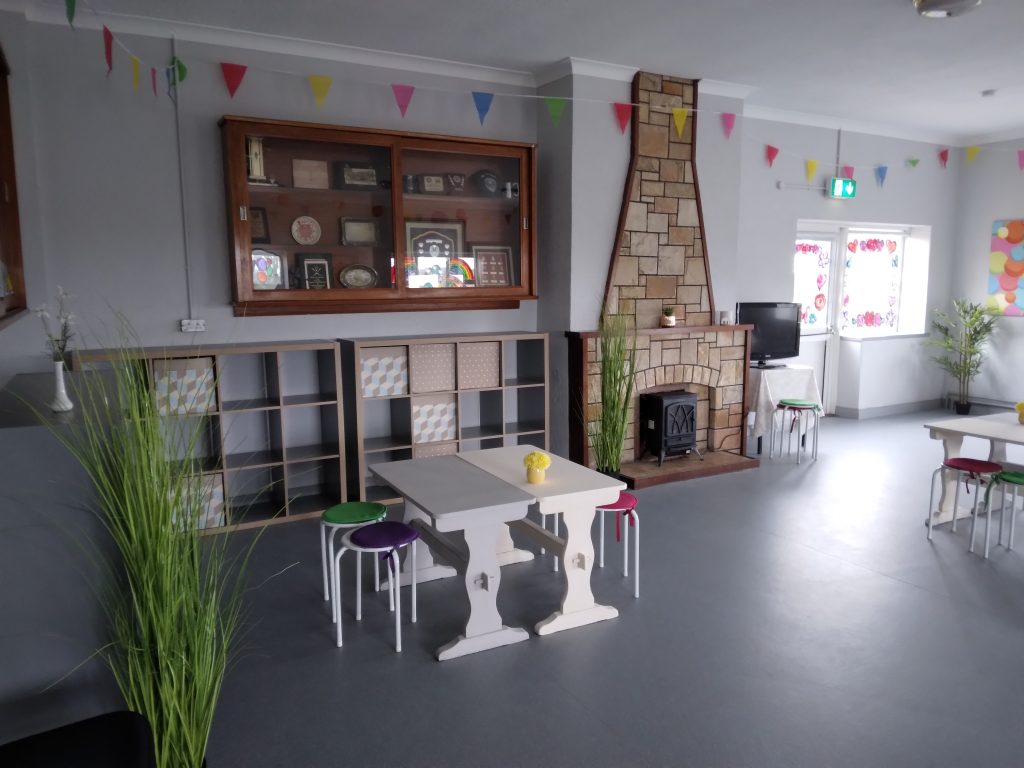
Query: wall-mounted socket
(191, 325)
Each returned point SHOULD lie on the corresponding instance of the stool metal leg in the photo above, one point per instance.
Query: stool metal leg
(636, 554)
(397, 590)
(359, 586)
(956, 506)
(330, 550)
(376, 574)
(323, 561)
(337, 590)
(600, 556)
(391, 587)
(1013, 513)
(931, 501)
(414, 581)
(625, 543)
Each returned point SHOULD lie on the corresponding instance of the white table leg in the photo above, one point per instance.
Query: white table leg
(951, 445)
(507, 552)
(427, 568)
(484, 629)
(578, 606)
(997, 451)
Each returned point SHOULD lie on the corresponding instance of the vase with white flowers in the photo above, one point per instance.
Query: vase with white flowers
(59, 334)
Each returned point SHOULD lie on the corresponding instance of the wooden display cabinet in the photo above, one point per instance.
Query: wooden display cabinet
(327, 219)
(435, 395)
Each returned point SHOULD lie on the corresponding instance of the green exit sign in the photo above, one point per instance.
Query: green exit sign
(842, 188)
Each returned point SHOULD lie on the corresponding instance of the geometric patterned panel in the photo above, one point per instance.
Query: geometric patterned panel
(384, 371)
(478, 364)
(433, 367)
(433, 419)
(212, 515)
(184, 386)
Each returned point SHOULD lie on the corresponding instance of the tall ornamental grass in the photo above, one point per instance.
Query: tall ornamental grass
(176, 605)
(618, 368)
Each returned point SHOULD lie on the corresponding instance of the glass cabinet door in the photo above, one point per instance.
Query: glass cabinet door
(319, 216)
(462, 220)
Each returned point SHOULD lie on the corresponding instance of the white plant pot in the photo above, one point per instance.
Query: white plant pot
(61, 402)
(668, 321)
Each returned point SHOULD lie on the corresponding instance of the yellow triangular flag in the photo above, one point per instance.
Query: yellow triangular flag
(135, 73)
(811, 167)
(320, 84)
(679, 116)
(972, 152)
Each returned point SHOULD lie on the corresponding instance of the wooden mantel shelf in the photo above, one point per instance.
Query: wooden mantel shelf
(668, 331)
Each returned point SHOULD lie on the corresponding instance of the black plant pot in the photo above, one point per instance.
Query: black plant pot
(962, 409)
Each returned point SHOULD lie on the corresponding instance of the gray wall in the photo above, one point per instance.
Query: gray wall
(992, 188)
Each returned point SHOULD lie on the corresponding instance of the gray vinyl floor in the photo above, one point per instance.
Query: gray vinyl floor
(789, 616)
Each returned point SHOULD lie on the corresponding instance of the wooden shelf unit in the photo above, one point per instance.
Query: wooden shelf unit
(434, 395)
(272, 430)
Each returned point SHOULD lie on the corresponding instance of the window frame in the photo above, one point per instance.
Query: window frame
(10, 228)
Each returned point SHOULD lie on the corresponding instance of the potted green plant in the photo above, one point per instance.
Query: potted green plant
(617, 340)
(961, 338)
(176, 603)
(668, 317)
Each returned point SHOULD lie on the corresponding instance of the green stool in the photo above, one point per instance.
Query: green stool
(1004, 478)
(340, 517)
(802, 410)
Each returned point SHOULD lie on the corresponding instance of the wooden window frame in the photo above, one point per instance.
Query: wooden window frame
(10, 231)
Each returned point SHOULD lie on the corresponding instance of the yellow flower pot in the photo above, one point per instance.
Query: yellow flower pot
(534, 476)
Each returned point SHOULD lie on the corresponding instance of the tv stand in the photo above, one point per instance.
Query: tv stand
(761, 364)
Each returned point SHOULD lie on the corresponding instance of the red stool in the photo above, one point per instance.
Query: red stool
(624, 507)
(977, 470)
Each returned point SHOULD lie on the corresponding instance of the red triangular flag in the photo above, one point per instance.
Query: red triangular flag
(622, 114)
(770, 153)
(403, 95)
(943, 157)
(108, 48)
(233, 74)
(847, 171)
(728, 123)
(152, 78)
(1020, 159)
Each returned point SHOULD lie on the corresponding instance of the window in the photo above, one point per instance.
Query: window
(872, 279)
(812, 265)
(12, 281)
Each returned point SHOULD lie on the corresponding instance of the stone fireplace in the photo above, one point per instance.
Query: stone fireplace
(659, 261)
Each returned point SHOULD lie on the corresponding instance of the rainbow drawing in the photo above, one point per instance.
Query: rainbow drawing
(459, 268)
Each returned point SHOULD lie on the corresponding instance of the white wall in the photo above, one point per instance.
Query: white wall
(883, 376)
(107, 193)
(992, 188)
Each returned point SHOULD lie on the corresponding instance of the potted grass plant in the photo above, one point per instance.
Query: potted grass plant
(176, 604)
(607, 434)
(960, 339)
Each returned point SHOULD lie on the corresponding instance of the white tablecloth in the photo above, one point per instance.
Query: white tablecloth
(769, 385)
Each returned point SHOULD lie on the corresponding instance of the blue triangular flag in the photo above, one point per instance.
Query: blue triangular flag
(880, 172)
(483, 100)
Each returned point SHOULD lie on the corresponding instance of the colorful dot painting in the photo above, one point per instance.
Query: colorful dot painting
(1006, 267)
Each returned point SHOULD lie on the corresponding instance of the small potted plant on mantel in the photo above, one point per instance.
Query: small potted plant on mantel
(668, 317)
(961, 341)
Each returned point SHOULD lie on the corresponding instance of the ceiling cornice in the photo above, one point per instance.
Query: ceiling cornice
(1011, 134)
(854, 126)
(724, 89)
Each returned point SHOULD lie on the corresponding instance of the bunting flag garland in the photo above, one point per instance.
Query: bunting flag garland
(403, 95)
(1020, 159)
(320, 85)
(482, 100)
(810, 169)
(679, 115)
(770, 153)
(135, 73)
(69, 10)
(847, 171)
(912, 162)
(233, 74)
(944, 157)
(728, 123)
(178, 70)
(556, 108)
(108, 48)
(623, 112)
(152, 78)
(880, 173)
(972, 153)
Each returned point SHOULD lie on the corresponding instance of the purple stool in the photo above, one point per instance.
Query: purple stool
(386, 538)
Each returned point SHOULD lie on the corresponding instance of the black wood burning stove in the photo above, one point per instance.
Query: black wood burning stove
(668, 424)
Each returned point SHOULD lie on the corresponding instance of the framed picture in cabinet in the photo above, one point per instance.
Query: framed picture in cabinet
(259, 229)
(430, 247)
(267, 271)
(359, 232)
(493, 265)
(314, 270)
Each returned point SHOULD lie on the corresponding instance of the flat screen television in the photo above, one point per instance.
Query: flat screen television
(776, 329)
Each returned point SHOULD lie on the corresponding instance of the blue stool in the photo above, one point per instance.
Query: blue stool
(386, 538)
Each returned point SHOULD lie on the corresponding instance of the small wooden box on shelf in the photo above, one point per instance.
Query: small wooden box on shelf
(272, 445)
(435, 395)
(326, 219)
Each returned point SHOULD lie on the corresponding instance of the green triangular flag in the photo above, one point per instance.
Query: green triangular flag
(69, 8)
(912, 162)
(556, 106)
(180, 70)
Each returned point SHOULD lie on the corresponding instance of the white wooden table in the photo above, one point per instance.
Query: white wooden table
(445, 494)
(1000, 429)
(573, 491)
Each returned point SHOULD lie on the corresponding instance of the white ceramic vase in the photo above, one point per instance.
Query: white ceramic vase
(61, 402)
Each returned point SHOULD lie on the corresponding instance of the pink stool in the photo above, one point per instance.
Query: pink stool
(624, 506)
(966, 469)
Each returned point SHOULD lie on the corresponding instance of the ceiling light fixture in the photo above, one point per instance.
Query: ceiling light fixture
(944, 9)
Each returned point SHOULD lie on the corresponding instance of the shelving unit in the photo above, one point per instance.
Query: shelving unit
(429, 396)
(271, 445)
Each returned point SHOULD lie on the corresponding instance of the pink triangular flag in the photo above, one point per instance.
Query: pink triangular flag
(622, 114)
(108, 48)
(233, 74)
(847, 171)
(728, 123)
(403, 95)
(152, 78)
(943, 157)
(1020, 159)
(770, 153)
